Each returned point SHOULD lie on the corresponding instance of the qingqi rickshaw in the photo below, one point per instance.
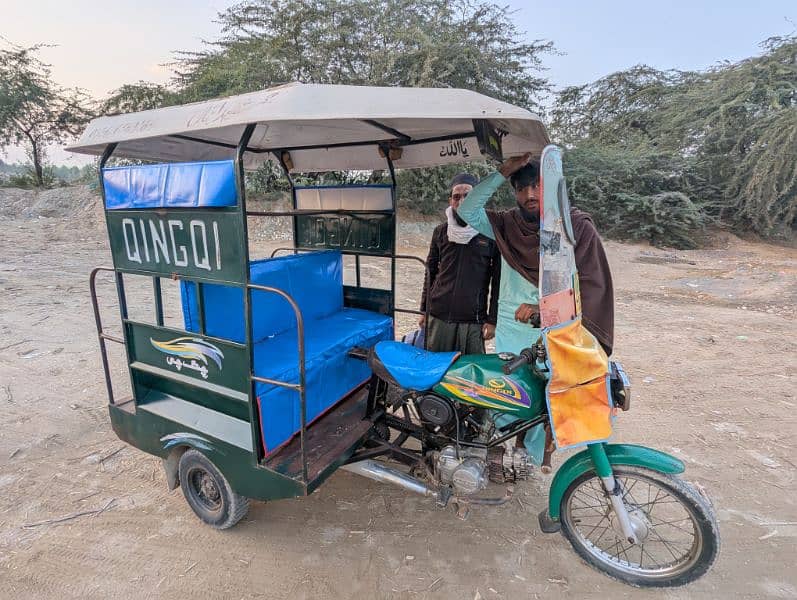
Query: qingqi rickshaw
(280, 373)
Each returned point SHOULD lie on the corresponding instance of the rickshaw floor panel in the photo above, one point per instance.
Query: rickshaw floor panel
(330, 441)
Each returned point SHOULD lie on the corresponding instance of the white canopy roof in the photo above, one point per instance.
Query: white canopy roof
(324, 127)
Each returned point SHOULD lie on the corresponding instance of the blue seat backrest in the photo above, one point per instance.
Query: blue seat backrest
(314, 281)
(173, 185)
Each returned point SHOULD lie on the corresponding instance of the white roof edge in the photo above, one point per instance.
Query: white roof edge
(297, 115)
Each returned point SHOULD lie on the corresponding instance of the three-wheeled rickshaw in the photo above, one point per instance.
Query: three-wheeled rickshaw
(283, 371)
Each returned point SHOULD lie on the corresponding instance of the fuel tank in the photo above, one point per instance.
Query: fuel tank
(477, 379)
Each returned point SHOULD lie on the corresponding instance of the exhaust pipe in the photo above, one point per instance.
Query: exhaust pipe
(381, 472)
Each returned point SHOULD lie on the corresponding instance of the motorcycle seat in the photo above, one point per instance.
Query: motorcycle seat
(409, 367)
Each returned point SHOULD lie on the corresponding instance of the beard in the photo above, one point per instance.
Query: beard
(530, 217)
(458, 219)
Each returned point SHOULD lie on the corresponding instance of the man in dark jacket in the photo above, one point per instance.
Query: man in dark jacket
(461, 289)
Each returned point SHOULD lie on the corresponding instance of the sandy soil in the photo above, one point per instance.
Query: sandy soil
(707, 336)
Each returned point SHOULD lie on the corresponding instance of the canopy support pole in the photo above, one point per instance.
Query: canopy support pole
(401, 136)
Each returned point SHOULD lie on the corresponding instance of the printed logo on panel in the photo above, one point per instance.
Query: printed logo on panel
(190, 353)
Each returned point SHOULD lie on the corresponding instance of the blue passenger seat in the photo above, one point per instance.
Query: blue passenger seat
(315, 282)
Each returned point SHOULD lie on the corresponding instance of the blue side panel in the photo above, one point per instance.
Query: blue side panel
(200, 184)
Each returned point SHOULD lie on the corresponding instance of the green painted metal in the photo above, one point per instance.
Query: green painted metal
(371, 234)
(228, 402)
(159, 435)
(597, 452)
(203, 397)
(196, 243)
(477, 379)
(204, 359)
(629, 455)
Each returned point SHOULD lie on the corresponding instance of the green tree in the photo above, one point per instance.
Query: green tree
(434, 43)
(414, 43)
(134, 97)
(34, 111)
(728, 135)
(633, 194)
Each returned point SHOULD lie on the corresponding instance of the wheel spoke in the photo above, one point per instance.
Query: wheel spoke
(652, 503)
(687, 531)
(666, 545)
(593, 497)
(586, 502)
(627, 489)
(676, 521)
(642, 548)
(605, 529)
(589, 507)
(596, 526)
(659, 503)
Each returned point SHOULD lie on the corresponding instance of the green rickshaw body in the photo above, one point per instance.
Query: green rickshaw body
(478, 380)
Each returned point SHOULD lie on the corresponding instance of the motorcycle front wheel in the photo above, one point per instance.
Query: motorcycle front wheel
(678, 537)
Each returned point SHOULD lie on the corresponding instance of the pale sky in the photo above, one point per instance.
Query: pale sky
(102, 45)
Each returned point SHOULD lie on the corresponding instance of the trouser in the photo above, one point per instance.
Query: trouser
(442, 336)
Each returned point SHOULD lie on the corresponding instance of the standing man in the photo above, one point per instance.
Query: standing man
(517, 234)
(461, 287)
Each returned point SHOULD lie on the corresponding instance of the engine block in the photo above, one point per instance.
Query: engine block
(466, 473)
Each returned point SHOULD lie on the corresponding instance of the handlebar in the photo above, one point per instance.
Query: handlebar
(526, 357)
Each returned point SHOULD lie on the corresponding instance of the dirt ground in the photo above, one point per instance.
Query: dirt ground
(708, 338)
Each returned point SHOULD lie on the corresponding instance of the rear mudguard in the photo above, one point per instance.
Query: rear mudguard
(619, 454)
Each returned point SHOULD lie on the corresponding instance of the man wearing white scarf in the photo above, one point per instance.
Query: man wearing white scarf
(456, 233)
(461, 290)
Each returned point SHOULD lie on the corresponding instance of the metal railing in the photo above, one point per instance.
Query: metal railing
(101, 335)
(298, 387)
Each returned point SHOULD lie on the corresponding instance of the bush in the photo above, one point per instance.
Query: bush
(635, 195)
(664, 219)
(26, 178)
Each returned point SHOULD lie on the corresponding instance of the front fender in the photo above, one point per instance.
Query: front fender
(629, 455)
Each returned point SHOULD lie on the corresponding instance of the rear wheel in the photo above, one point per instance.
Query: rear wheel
(208, 493)
(674, 523)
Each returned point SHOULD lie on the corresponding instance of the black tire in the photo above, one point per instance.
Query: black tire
(699, 513)
(208, 493)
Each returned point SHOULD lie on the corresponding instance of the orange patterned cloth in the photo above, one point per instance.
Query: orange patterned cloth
(578, 395)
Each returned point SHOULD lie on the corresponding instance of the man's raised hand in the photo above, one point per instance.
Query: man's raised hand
(511, 165)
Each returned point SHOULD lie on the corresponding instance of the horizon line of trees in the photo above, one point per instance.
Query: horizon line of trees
(651, 154)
